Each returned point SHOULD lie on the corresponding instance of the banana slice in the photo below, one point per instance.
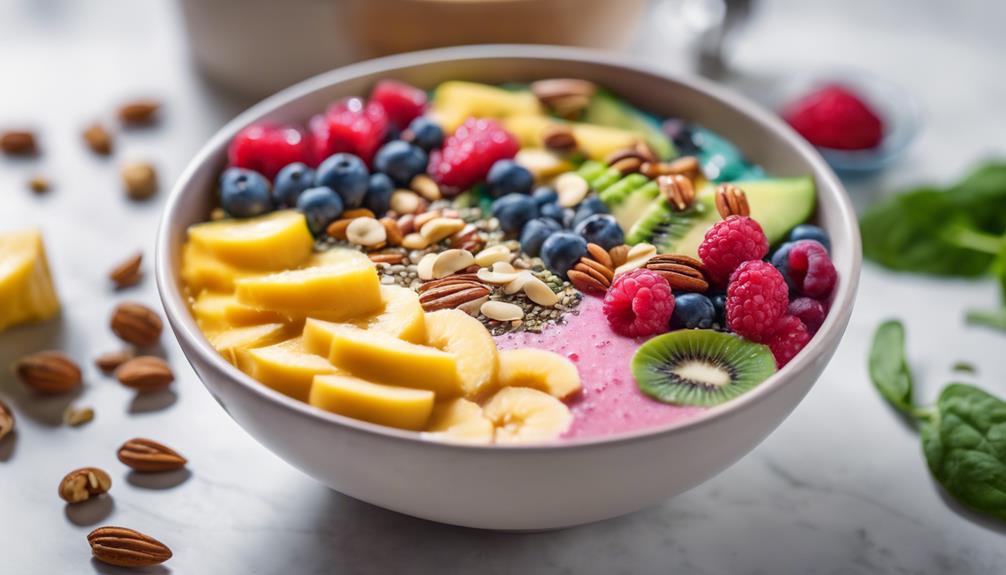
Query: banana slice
(461, 421)
(525, 415)
(538, 368)
(469, 341)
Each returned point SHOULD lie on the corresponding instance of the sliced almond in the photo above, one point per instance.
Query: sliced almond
(451, 261)
(571, 188)
(472, 307)
(405, 202)
(424, 269)
(501, 273)
(637, 257)
(501, 311)
(366, 232)
(491, 255)
(539, 292)
(441, 228)
(415, 241)
(518, 283)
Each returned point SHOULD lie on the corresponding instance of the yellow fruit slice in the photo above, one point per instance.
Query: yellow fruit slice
(230, 342)
(277, 241)
(525, 415)
(336, 292)
(26, 289)
(456, 101)
(201, 270)
(221, 310)
(286, 367)
(540, 369)
(334, 256)
(470, 342)
(402, 316)
(461, 421)
(379, 357)
(597, 142)
(400, 407)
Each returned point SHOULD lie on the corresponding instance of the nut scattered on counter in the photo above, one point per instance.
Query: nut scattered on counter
(18, 143)
(145, 374)
(140, 180)
(7, 421)
(48, 372)
(127, 273)
(139, 112)
(109, 361)
(148, 456)
(98, 139)
(126, 547)
(136, 323)
(39, 184)
(77, 416)
(84, 483)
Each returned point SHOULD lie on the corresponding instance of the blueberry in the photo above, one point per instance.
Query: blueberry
(391, 133)
(321, 206)
(401, 161)
(562, 250)
(720, 305)
(568, 217)
(513, 211)
(553, 211)
(244, 193)
(535, 233)
(601, 229)
(693, 310)
(545, 195)
(290, 182)
(508, 177)
(680, 132)
(780, 259)
(345, 174)
(426, 133)
(588, 207)
(378, 198)
(810, 232)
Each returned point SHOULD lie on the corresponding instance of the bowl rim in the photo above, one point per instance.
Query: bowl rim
(184, 326)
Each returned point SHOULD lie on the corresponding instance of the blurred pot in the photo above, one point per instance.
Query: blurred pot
(258, 46)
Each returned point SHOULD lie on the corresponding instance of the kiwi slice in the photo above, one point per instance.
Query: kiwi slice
(700, 367)
(665, 227)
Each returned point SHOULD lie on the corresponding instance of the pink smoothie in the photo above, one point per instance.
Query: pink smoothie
(610, 401)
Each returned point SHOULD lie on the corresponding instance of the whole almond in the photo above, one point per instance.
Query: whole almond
(126, 548)
(39, 184)
(145, 374)
(18, 143)
(48, 372)
(139, 112)
(389, 259)
(136, 323)
(108, 361)
(7, 421)
(600, 255)
(83, 484)
(98, 139)
(127, 273)
(393, 232)
(148, 456)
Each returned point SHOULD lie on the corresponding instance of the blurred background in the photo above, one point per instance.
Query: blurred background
(839, 488)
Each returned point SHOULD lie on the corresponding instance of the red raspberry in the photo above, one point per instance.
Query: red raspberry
(266, 148)
(639, 303)
(789, 336)
(810, 269)
(810, 311)
(756, 297)
(469, 152)
(835, 117)
(729, 243)
(401, 102)
(351, 126)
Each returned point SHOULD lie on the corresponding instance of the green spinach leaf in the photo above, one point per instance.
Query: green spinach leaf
(965, 448)
(889, 368)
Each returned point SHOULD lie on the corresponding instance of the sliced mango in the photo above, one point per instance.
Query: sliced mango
(337, 292)
(385, 359)
(399, 407)
(26, 289)
(202, 270)
(230, 342)
(456, 101)
(286, 367)
(277, 241)
(334, 256)
(215, 310)
(459, 420)
(597, 142)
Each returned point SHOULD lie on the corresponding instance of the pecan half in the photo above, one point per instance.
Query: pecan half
(451, 293)
(145, 374)
(48, 372)
(619, 255)
(136, 323)
(148, 456)
(678, 190)
(586, 282)
(566, 97)
(18, 143)
(628, 165)
(84, 483)
(600, 255)
(126, 548)
(682, 272)
(559, 137)
(139, 112)
(593, 273)
(687, 166)
(731, 201)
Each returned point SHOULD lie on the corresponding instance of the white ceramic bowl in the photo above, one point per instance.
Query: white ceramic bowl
(515, 487)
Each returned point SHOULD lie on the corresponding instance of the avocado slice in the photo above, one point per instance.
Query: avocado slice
(605, 109)
(778, 205)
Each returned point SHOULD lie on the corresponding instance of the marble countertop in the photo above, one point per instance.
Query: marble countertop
(839, 488)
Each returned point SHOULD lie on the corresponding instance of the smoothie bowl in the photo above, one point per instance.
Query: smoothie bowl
(508, 287)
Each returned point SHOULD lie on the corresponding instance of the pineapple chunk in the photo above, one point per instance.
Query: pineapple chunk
(230, 342)
(385, 359)
(336, 292)
(597, 142)
(201, 270)
(461, 421)
(465, 337)
(286, 367)
(277, 241)
(26, 290)
(218, 310)
(400, 407)
(455, 101)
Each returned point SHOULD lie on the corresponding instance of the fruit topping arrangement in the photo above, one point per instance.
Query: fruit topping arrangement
(505, 264)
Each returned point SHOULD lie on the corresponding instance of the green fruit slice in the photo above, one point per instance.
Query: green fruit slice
(607, 110)
(700, 367)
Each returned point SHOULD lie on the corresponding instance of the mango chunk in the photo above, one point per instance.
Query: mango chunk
(336, 292)
(382, 358)
(280, 240)
(286, 367)
(334, 256)
(399, 407)
(215, 310)
(455, 101)
(230, 342)
(597, 142)
(202, 270)
(26, 290)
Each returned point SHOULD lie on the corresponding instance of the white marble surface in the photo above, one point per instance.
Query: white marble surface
(840, 488)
